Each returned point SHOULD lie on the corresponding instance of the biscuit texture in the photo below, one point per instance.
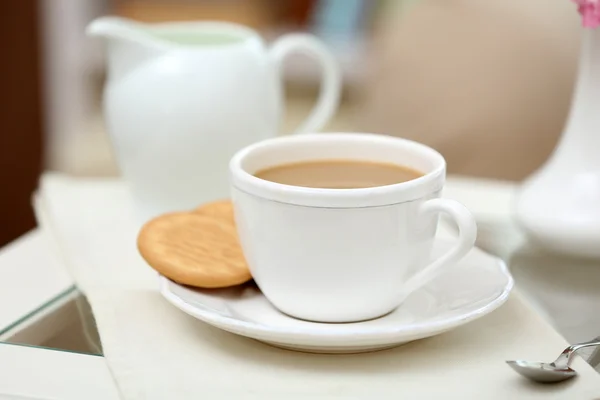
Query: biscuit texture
(221, 209)
(196, 249)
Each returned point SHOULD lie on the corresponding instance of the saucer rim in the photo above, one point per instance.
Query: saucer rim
(220, 320)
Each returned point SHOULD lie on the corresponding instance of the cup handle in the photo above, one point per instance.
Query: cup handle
(329, 95)
(467, 229)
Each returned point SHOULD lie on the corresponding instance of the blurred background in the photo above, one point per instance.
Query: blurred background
(487, 83)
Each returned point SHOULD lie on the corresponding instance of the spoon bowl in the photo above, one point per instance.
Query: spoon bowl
(542, 372)
(556, 371)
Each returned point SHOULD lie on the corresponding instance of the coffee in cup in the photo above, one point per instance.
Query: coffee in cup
(338, 174)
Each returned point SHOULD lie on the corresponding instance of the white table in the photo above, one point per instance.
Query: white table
(37, 298)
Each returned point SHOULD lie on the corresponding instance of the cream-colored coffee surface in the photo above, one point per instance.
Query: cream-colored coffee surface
(338, 174)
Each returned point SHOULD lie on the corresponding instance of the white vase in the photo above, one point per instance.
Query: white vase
(559, 205)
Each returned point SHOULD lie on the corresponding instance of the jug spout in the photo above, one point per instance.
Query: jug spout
(130, 44)
(118, 28)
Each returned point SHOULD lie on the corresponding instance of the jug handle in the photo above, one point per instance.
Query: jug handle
(329, 94)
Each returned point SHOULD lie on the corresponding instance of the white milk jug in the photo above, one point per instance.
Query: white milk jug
(182, 98)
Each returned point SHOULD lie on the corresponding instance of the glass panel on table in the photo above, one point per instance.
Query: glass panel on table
(64, 323)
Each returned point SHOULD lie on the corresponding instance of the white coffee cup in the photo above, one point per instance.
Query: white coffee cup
(341, 255)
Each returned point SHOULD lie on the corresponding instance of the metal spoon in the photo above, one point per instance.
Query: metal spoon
(556, 371)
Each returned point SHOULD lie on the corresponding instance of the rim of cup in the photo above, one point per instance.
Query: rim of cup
(367, 147)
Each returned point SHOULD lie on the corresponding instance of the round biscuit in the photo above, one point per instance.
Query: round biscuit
(194, 249)
(221, 209)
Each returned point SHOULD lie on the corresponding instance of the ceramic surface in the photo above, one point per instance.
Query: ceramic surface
(332, 255)
(181, 98)
(558, 206)
(474, 287)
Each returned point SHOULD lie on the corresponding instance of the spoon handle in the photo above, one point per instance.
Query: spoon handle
(565, 359)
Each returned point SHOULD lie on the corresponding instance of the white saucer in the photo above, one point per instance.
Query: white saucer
(476, 286)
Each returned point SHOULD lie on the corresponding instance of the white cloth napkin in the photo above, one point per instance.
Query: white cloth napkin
(157, 352)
